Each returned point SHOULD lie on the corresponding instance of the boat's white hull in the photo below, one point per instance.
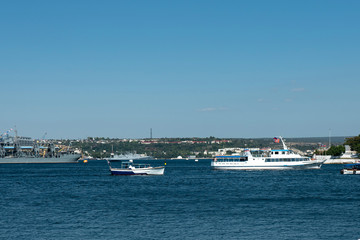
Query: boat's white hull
(350, 171)
(315, 164)
(138, 171)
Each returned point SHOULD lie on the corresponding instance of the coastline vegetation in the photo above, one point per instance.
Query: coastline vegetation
(337, 150)
(100, 147)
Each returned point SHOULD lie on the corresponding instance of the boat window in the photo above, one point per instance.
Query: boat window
(232, 159)
(273, 160)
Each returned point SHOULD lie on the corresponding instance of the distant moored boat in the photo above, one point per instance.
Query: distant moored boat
(129, 168)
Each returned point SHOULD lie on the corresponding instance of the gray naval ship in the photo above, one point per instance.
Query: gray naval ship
(25, 150)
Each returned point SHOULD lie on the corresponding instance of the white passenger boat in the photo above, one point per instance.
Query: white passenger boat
(129, 168)
(264, 160)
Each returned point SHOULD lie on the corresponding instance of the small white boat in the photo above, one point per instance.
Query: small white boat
(129, 168)
(351, 169)
(266, 160)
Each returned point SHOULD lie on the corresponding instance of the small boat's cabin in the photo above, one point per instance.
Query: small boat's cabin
(127, 164)
(281, 152)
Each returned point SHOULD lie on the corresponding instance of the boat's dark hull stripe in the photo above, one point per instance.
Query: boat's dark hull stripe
(126, 173)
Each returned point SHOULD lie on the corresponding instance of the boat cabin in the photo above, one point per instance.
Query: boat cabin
(231, 158)
(281, 152)
(127, 164)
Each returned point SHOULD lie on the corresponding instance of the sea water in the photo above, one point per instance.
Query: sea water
(190, 201)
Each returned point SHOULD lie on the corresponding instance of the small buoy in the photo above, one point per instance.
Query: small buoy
(165, 163)
(85, 161)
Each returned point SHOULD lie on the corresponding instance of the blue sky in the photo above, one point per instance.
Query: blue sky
(247, 69)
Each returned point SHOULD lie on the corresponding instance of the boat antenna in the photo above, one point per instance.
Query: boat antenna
(16, 133)
(43, 137)
(112, 151)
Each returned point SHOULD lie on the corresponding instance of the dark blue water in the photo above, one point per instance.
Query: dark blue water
(191, 201)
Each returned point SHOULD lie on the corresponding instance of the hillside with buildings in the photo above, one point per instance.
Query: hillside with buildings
(98, 147)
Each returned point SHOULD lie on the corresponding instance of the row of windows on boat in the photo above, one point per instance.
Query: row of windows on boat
(286, 159)
(266, 160)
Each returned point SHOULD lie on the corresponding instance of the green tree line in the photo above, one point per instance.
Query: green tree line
(353, 142)
(102, 147)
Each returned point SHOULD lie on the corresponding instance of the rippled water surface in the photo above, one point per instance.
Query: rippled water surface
(191, 201)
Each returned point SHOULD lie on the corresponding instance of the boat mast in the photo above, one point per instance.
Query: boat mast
(283, 143)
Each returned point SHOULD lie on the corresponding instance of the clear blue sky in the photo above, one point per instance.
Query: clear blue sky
(247, 69)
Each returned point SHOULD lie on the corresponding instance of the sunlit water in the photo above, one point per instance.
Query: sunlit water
(191, 201)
